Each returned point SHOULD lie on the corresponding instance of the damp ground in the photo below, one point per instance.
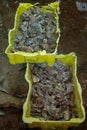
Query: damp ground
(13, 87)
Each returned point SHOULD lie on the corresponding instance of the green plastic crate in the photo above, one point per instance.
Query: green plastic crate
(20, 56)
(71, 60)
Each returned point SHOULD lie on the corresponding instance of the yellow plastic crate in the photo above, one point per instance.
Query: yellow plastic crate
(71, 60)
(20, 56)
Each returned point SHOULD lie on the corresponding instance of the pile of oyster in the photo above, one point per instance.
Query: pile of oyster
(52, 95)
(36, 31)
